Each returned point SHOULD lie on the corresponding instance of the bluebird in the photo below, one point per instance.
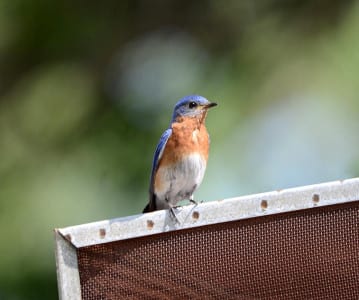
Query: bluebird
(181, 155)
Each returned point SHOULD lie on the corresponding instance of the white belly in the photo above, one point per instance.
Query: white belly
(178, 182)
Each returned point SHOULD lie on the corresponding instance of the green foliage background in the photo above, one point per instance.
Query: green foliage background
(87, 87)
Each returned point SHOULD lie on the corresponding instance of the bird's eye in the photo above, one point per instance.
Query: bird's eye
(192, 104)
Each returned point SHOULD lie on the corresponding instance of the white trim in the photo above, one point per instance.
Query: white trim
(67, 269)
(213, 212)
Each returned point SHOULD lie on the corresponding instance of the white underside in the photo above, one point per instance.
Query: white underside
(180, 180)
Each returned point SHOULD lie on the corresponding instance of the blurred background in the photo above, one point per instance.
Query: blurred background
(88, 87)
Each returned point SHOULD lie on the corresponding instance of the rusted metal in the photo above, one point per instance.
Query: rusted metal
(282, 201)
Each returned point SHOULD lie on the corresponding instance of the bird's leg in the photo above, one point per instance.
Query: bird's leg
(192, 200)
(173, 215)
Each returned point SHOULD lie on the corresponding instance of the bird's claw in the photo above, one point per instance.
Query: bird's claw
(173, 214)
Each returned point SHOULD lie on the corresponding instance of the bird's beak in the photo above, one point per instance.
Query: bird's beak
(209, 105)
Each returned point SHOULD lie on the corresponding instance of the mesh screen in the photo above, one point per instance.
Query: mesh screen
(308, 254)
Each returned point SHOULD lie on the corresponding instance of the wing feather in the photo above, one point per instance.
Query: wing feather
(158, 154)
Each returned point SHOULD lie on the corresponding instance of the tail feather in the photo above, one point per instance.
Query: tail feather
(151, 206)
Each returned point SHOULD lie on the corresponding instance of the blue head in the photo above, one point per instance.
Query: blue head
(191, 106)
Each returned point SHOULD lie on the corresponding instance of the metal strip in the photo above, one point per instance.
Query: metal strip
(213, 212)
(68, 277)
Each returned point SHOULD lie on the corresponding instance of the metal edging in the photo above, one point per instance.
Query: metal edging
(213, 212)
(68, 277)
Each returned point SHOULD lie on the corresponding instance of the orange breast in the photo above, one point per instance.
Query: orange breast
(187, 137)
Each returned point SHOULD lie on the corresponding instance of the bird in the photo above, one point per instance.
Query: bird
(181, 156)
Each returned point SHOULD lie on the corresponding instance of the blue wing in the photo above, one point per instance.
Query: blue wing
(158, 154)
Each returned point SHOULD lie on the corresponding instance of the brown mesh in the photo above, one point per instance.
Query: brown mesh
(308, 254)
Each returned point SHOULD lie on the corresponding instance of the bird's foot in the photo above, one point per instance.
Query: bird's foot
(194, 202)
(173, 214)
